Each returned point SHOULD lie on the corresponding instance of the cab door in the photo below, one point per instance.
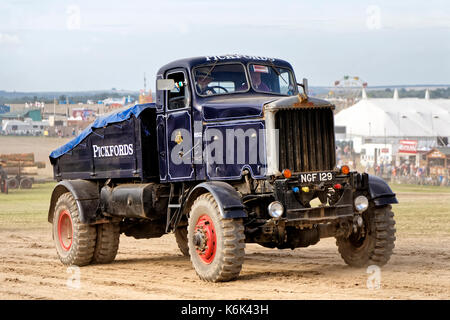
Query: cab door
(179, 128)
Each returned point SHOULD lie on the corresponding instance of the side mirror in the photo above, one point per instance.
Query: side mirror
(165, 84)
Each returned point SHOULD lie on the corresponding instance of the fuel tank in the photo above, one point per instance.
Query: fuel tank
(134, 200)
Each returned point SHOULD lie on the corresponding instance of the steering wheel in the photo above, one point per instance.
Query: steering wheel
(212, 89)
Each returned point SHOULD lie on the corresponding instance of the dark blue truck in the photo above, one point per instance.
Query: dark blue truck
(234, 151)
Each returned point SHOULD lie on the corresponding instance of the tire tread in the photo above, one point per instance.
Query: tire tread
(84, 245)
(383, 240)
(107, 244)
(233, 246)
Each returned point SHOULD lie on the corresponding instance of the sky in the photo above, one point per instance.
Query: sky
(77, 45)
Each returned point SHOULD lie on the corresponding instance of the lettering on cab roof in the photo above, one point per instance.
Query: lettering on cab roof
(238, 56)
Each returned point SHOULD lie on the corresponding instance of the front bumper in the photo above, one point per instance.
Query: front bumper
(296, 213)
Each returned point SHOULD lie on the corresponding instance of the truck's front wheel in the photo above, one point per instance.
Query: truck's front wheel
(74, 241)
(372, 244)
(216, 245)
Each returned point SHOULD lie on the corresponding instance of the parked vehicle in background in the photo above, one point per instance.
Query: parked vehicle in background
(19, 167)
(23, 128)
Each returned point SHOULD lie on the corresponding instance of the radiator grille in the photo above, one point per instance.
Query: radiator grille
(306, 139)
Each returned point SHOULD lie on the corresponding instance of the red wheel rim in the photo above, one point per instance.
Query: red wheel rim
(206, 239)
(65, 230)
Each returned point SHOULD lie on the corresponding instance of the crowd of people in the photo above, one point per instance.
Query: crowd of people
(410, 173)
(405, 173)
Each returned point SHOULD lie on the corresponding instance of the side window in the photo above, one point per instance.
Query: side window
(178, 97)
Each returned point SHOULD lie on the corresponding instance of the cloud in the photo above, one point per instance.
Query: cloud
(9, 39)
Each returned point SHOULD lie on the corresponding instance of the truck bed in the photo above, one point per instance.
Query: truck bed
(120, 145)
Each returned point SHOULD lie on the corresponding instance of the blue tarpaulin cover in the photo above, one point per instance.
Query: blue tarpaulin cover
(100, 123)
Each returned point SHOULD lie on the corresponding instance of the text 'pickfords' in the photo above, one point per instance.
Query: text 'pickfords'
(112, 151)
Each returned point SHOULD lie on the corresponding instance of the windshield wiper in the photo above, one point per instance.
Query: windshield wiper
(276, 71)
(210, 70)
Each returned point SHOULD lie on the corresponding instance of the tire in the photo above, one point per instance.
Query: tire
(181, 236)
(26, 183)
(375, 248)
(107, 244)
(13, 183)
(78, 247)
(218, 255)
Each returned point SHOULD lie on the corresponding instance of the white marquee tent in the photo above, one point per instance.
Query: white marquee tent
(399, 118)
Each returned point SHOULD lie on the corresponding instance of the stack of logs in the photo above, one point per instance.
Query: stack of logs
(20, 164)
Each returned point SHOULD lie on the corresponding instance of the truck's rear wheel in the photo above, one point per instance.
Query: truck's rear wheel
(107, 244)
(375, 246)
(181, 236)
(74, 241)
(216, 245)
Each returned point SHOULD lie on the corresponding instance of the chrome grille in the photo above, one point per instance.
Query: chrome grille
(306, 139)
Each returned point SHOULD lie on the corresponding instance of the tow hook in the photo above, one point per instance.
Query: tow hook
(357, 223)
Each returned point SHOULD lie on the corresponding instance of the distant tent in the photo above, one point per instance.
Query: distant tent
(408, 117)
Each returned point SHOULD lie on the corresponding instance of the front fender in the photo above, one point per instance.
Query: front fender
(86, 195)
(380, 192)
(228, 199)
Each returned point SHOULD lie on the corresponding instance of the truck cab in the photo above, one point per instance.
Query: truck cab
(216, 94)
(234, 151)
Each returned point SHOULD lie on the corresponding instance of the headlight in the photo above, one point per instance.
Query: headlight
(275, 209)
(361, 203)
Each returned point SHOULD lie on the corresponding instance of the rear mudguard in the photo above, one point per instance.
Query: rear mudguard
(228, 199)
(380, 192)
(86, 195)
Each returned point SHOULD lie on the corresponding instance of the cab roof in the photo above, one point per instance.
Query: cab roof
(189, 63)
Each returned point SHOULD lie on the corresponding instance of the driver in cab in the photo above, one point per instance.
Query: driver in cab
(202, 80)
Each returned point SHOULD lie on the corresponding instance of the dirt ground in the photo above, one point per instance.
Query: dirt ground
(154, 269)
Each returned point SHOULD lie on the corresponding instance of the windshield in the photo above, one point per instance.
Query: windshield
(220, 79)
(272, 79)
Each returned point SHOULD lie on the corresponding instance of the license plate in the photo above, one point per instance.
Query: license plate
(316, 177)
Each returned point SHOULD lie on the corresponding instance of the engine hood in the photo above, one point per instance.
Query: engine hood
(252, 106)
(234, 107)
(298, 101)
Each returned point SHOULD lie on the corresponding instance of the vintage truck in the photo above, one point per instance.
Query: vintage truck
(232, 152)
